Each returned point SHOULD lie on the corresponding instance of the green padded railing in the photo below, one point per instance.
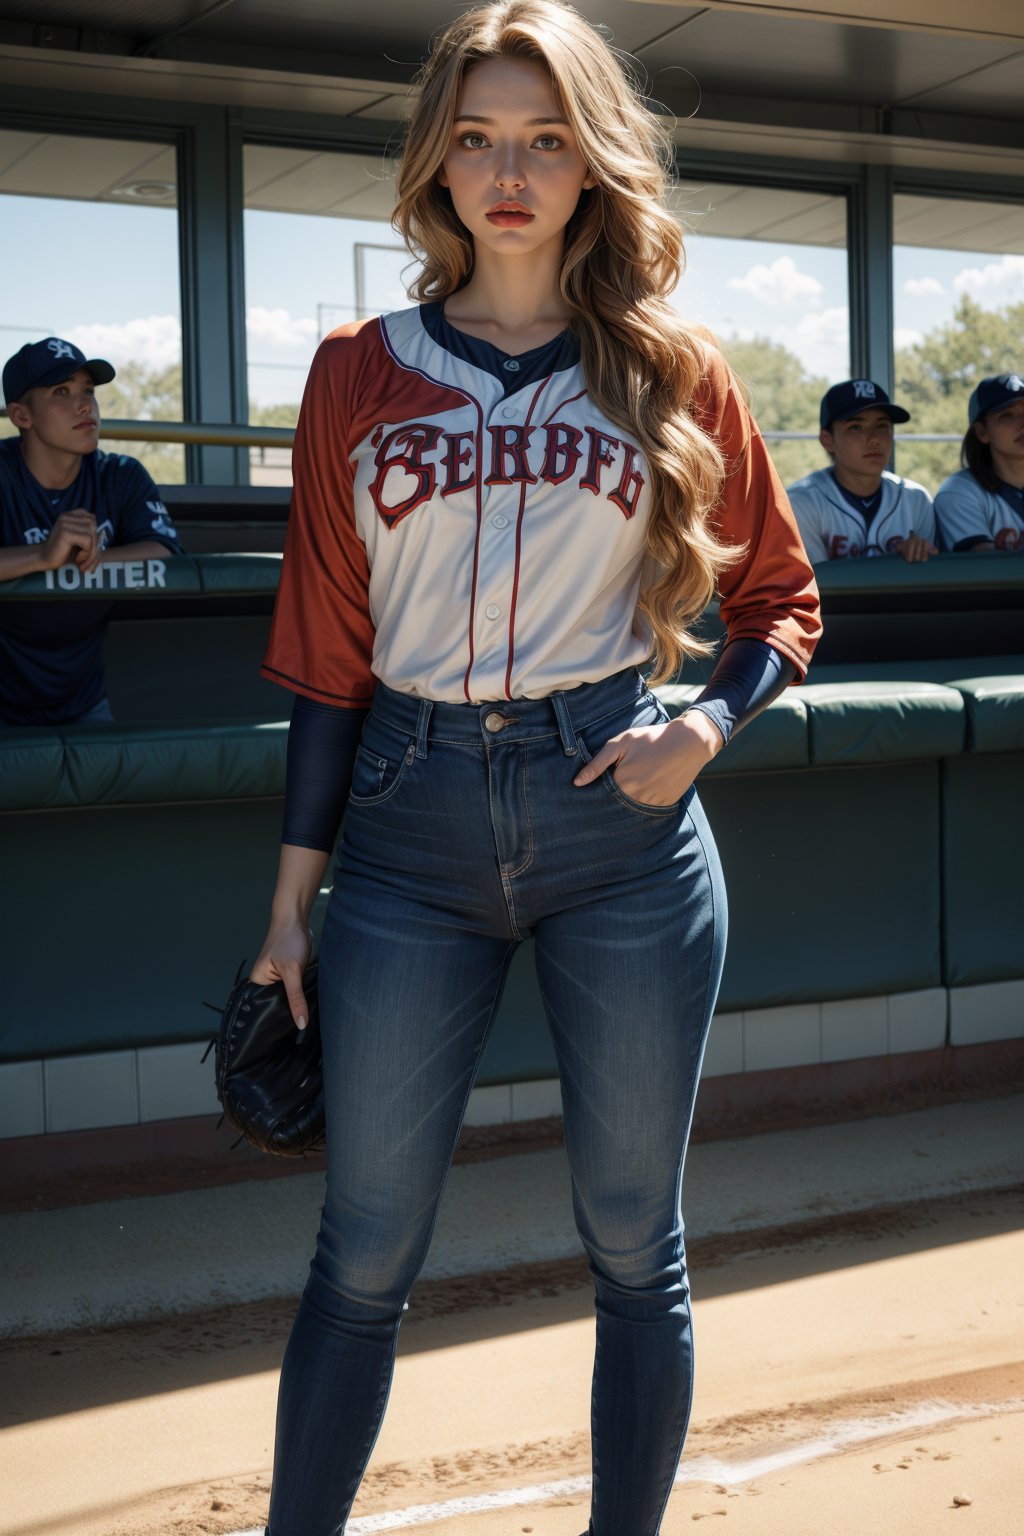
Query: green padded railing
(991, 571)
(171, 576)
(256, 574)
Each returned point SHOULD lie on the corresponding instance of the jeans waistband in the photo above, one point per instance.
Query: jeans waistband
(507, 720)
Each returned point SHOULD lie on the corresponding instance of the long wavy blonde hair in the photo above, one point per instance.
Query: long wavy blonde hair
(623, 257)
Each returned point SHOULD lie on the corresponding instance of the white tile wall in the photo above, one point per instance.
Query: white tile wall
(724, 1050)
(781, 1037)
(917, 1020)
(533, 1101)
(854, 1026)
(22, 1110)
(490, 1106)
(174, 1081)
(83, 1092)
(991, 1012)
(166, 1082)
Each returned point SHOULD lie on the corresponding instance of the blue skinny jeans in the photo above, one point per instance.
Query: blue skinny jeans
(464, 835)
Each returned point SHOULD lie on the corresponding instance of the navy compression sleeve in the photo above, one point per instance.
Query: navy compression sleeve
(322, 742)
(749, 674)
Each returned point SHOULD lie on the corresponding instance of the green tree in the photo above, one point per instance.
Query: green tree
(935, 377)
(273, 415)
(783, 398)
(140, 393)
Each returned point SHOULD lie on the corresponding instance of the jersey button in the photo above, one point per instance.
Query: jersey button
(511, 365)
(508, 411)
(492, 611)
(499, 521)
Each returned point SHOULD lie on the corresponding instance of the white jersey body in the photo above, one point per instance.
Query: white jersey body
(965, 510)
(464, 542)
(832, 530)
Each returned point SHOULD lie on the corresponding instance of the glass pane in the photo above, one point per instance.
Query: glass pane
(958, 270)
(91, 254)
(319, 251)
(767, 273)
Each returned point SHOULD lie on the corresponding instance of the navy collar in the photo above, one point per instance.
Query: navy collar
(513, 371)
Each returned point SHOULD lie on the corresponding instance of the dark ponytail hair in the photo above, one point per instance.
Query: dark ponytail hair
(977, 457)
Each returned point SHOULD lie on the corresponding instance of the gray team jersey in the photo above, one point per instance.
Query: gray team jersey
(965, 510)
(832, 530)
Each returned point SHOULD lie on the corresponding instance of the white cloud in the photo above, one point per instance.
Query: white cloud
(278, 328)
(906, 336)
(922, 287)
(781, 283)
(997, 283)
(154, 340)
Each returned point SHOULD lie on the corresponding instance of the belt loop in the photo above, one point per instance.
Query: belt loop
(565, 725)
(422, 721)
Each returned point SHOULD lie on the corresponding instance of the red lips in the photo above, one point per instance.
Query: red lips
(509, 215)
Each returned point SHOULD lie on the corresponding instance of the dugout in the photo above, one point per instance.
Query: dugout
(854, 130)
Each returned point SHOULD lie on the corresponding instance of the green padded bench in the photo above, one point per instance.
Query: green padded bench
(166, 824)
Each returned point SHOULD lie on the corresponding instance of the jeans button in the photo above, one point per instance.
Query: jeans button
(495, 722)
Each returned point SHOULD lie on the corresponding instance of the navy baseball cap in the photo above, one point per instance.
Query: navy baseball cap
(49, 361)
(855, 395)
(993, 393)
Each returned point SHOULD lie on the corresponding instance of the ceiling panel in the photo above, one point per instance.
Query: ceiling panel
(14, 147)
(263, 164)
(376, 200)
(986, 92)
(317, 184)
(390, 109)
(771, 55)
(129, 16)
(63, 165)
(959, 225)
(367, 28)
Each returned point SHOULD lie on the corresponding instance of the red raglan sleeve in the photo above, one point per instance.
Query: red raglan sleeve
(770, 594)
(321, 638)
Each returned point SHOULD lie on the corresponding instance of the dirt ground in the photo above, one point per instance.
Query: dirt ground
(856, 1378)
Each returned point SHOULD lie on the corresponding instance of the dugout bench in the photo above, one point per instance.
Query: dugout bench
(868, 821)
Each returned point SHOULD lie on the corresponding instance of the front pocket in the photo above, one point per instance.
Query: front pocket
(375, 777)
(609, 781)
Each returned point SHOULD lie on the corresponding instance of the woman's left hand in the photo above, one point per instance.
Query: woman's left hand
(657, 763)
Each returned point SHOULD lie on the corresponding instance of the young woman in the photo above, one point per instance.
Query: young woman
(507, 500)
(981, 507)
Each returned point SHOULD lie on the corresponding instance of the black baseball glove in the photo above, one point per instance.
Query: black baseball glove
(269, 1073)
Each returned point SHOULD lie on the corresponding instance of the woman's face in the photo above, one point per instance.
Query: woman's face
(513, 167)
(1003, 430)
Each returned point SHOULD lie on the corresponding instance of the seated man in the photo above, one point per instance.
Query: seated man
(981, 507)
(63, 502)
(857, 507)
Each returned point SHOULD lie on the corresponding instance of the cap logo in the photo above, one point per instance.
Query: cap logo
(1015, 383)
(61, 348)
(863, 389)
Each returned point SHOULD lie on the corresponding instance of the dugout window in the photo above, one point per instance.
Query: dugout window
(91, 248)
(767, 272)
(319, 251)
(958, 280)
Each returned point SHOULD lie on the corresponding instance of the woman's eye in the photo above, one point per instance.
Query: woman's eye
(472, 141)
(548, 141)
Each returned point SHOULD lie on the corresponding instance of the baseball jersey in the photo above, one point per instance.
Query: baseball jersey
(51, 661)
(834, 528)
(466, 538)
(968, 514)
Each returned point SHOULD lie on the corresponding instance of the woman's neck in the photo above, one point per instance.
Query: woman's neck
(514, 303)
(1009, 469)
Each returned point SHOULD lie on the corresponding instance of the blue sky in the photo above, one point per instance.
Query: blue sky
(121, 298)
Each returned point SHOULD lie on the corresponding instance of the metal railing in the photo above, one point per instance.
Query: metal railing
(203, 434)
(234, 435)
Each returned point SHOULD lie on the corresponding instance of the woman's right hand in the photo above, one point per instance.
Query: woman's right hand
(283, 957)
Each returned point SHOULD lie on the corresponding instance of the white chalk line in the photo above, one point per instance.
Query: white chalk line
(702, 1469)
